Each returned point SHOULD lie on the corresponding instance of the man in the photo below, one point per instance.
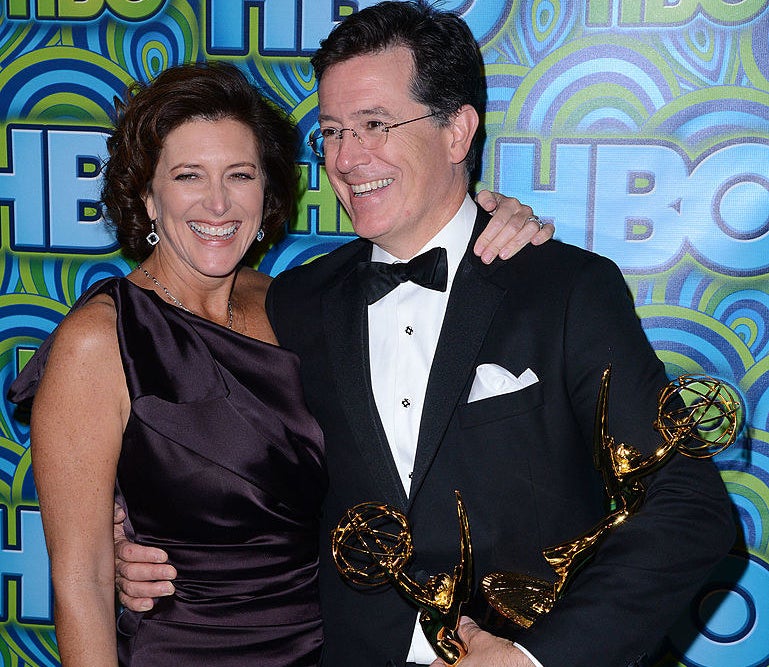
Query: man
(393, 377)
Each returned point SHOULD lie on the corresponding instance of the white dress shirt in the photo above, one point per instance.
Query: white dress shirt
(404, 327)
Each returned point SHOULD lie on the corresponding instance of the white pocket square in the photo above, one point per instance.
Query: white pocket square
(493, 380)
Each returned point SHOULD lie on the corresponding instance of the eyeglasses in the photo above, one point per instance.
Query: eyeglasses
(371, 136)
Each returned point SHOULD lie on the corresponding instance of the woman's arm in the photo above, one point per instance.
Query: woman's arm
(80, 410)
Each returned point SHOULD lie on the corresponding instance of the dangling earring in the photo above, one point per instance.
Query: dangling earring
(259, 235)
(152, 237)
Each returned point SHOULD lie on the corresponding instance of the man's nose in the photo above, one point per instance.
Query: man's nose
(350, 151)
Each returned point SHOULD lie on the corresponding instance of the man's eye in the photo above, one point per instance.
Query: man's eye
(373, 125)
(329, 132)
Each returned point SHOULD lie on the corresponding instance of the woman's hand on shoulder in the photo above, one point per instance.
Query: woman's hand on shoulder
(513, 226)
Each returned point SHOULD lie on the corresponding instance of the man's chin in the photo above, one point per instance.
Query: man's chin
(367, 226)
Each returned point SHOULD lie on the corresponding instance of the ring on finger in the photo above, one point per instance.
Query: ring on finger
(535, 218)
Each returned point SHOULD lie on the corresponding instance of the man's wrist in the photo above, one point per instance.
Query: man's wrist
(532, 659)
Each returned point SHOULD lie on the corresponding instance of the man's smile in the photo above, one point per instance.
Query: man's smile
(363, 188)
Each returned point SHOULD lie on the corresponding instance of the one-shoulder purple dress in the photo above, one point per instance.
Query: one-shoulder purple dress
(223, 467)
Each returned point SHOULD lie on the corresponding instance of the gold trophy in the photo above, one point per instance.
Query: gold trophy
(696, 416)
(372, 545)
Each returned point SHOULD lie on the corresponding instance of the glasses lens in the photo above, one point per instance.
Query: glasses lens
(373, 136)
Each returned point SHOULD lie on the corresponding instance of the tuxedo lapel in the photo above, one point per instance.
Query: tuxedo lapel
(472, 304)
(345, 328)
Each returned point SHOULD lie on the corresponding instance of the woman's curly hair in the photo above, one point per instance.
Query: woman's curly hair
(212, 91)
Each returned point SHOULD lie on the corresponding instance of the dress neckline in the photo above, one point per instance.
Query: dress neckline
(188, 314)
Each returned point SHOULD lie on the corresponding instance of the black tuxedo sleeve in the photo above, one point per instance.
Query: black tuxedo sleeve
(646, 571)
(269, 305)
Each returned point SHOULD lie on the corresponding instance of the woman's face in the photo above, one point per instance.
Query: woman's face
(206, 196)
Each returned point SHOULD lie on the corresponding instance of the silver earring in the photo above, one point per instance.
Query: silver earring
(259, 235)
(152, 237)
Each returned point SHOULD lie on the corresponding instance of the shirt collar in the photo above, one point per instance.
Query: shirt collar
(455, 237)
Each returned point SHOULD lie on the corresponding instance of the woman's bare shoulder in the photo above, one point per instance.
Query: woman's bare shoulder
(84, 367)
(88, 331)
(251, 287)
(251, 279)
(249, 294)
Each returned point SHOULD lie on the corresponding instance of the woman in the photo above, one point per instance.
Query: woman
(168, 386)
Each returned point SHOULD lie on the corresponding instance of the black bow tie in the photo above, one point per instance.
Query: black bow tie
(430, 269)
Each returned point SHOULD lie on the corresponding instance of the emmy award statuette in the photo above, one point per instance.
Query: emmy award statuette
(697, 416)
(371, 546)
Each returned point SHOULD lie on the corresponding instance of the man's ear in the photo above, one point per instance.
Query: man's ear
(463, 128)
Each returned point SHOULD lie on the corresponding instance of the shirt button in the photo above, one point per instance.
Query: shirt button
(405, 402)
(409, 331)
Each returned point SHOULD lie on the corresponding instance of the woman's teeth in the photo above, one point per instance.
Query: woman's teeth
(210, 231)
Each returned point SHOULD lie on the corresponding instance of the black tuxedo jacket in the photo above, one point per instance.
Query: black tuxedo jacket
(522, 461)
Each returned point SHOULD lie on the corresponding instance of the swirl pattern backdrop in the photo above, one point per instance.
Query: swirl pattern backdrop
(640, 129)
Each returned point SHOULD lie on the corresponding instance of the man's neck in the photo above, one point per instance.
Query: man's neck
(406, 248)
(454, 235)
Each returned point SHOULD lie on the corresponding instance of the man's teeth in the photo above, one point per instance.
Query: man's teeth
(363, 188)
(209, 230)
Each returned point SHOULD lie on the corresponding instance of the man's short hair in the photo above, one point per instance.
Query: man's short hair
(448, 67)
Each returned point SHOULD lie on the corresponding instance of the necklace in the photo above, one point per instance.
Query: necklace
(176, 301)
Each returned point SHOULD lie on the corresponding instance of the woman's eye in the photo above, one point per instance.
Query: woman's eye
(187, 176)
(243, 176)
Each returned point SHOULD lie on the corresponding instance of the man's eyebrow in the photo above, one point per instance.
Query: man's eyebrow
(360, 113)
(376, 111)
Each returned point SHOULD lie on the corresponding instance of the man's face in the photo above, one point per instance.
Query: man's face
(402, 193)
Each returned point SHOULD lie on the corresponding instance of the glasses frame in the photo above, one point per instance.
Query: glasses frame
(316, 135)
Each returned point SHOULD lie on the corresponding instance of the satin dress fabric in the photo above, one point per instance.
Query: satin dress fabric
(223, 467)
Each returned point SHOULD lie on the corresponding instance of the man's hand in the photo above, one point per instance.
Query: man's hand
(510, 228)
(141, 573)
(486, 650)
